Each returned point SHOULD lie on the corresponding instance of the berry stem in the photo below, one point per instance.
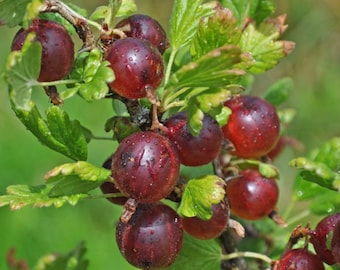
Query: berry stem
(246, 254)
(107, 195)
(80, 23)
(54, 83)
(169, 65)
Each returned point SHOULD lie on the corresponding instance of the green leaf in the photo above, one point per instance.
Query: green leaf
(22, 71)
(32, 11)
(321, 165)
(93, 74)
(268, 170)
(328, 153)
(76, 178)
(67, 132)
(19, 196)
(278, 93)
(218, 68)
(316, 172)
(116, 9)
(198, 254)
(318, 180)
(72, 185)
(261, 10)
(199, 194)
(121, 126)
(304, 190)
(126, 8)
(73, 260)
(13, 12)
(184, 20)
(206, 101)
(325, 203)
(84, 170)
(58, 132)
(215, 31)
(100, 13)
(258, 10)
(264, 49)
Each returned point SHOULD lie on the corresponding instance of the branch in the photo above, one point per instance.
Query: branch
(80, 23)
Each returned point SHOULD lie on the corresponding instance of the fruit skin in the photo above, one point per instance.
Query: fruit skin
(152, 238)
(300, 259)
(253, 127)
(319, 238)
(137, 65)
(57, 48)
(211, 228)
(195, 150)
(335, 243)
(144, 27)
(146, 166)
(251, 195)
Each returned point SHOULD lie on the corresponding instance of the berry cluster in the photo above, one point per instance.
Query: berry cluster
(325, 241)
(146, 165)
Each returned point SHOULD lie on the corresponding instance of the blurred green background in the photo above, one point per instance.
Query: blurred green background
(314, 66)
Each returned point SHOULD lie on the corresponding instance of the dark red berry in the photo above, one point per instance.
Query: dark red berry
(211, 228)
(146, 166)
(137, 65)
(251, 195)
(57, 48)
(152, 238)
(300, 259)
(321, 238)
(195, 150)
(253, 127)
(144, 27)
(335, 243)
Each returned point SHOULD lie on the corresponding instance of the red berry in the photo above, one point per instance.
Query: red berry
(300, 259)
(211, 228)
(253, 127)
(195, 150)
(137, 65)
(146, 166)
(57, 48)
(144, 27)
(335, 243)
(152, 238)
(321, 238)
(251, 195)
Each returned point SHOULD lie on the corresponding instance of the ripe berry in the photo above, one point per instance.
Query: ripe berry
(146, 166)
(195, 150)
(335, 243)
(57, 48)
(253, 127)
(321, 238)
(251, 195)
(144, 27)
(137, 65)
(152, 238)
(300, 259)
(211, 228)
